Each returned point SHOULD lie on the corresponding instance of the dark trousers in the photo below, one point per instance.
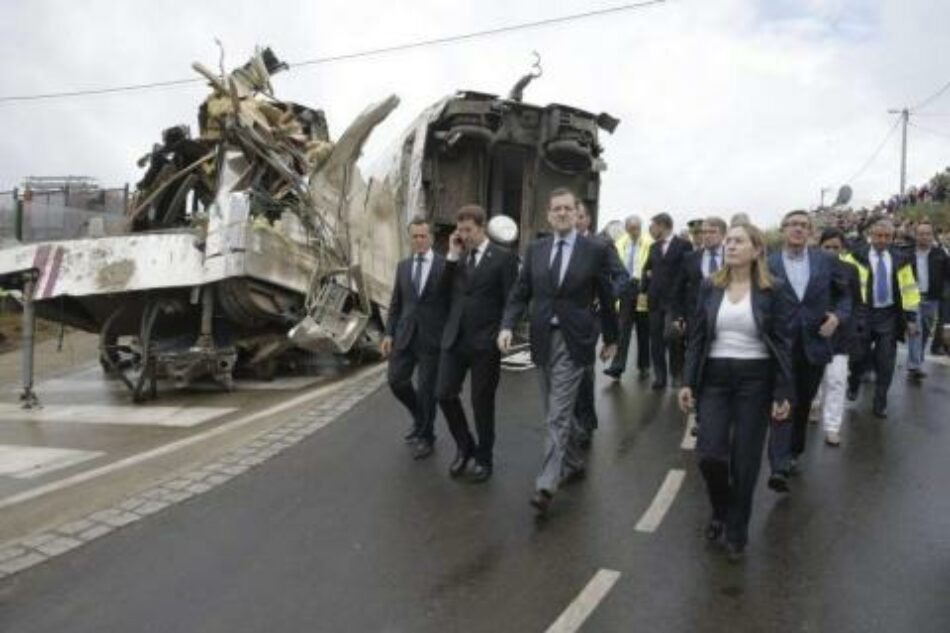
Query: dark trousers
(734, 407)
(787, 438)
(880, 353)
(485, 367)
(630, 320)
(663, 341)
(419, 400)
(584, 407)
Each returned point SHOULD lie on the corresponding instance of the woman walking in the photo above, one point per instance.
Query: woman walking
(737, 375)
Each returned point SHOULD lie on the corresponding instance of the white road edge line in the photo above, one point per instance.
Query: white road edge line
(133, 460)
(652, 518)
(586, 601)
(689, 440)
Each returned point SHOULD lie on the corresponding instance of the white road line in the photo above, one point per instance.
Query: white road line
(586, 601)
(689, 440)
(652, 518)
(26, 462)
(166, 449)
(181, 417)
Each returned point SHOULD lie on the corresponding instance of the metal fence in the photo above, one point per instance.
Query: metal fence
(61, 215)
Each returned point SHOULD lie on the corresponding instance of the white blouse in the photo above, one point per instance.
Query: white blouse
(736, 333)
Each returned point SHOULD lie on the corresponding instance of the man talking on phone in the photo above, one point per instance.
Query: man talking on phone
(480, 275)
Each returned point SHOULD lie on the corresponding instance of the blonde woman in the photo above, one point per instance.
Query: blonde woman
(738, 376)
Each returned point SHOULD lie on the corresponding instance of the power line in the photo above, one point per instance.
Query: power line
(877, 152)
(354, 55)
(932, 97)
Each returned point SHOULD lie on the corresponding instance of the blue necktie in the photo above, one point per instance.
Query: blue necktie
(556, 265)
(880, 281)
(713, 264)
(417, 275)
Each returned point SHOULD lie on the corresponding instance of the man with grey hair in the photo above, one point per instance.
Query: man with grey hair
(633, 247)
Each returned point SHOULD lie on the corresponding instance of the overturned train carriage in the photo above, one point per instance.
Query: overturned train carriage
(502, 154)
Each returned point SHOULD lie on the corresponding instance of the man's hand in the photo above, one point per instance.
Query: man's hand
(386, 346)
(608, 351)
(679, 325)
(780, 410)
(686, 400)
(504, 341)
(829, 326)
(456, 245)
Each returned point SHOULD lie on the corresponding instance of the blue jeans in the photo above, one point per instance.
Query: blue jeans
(917, 344)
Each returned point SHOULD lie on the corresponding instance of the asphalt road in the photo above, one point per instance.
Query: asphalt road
(344, 532)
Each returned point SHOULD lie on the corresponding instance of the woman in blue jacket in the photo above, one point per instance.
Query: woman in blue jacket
(738, 376)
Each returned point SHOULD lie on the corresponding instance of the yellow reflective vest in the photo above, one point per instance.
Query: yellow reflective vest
(907, 290)
(642, 254)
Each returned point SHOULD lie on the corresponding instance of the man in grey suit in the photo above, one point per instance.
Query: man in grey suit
(417, 313)
(563, 276)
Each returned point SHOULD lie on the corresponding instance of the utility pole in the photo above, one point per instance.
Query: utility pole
(905, 119)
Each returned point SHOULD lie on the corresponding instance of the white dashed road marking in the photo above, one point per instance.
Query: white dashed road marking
(586, 601)
(652, 518)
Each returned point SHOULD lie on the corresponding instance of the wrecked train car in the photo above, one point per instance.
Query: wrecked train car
(234, 237)
(471, 147)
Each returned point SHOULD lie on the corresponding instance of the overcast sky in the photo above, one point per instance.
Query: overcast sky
(726, 105)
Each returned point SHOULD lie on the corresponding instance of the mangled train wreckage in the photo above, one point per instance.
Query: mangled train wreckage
(260, 237)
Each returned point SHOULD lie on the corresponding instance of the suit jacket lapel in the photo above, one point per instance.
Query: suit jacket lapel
(712, 310)
(435, 271)
(815, 268)
(544, 254)
(572, 261)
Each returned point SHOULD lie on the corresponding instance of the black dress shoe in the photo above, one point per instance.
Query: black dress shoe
(852, 394)
(541, 501)
(422, 449)
(714, 531)
(658, 386)
(613, 372)
(778, 481)
(735, 552)
(459, 464)
(880, 412)
(480, 473)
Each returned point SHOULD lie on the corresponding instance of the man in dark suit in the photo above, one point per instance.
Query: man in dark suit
(563, 276)
(417, 313)
(816, 294)
(893, 302)
(661, 281)
(699, 265)
(932, 268)
(480, 275)
(584, 410)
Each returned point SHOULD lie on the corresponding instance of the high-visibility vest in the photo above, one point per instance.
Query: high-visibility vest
(910, 292)
(863, 274)
(642, 254)
(907, 289)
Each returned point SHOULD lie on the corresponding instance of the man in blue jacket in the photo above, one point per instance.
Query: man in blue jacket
(816, 293)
